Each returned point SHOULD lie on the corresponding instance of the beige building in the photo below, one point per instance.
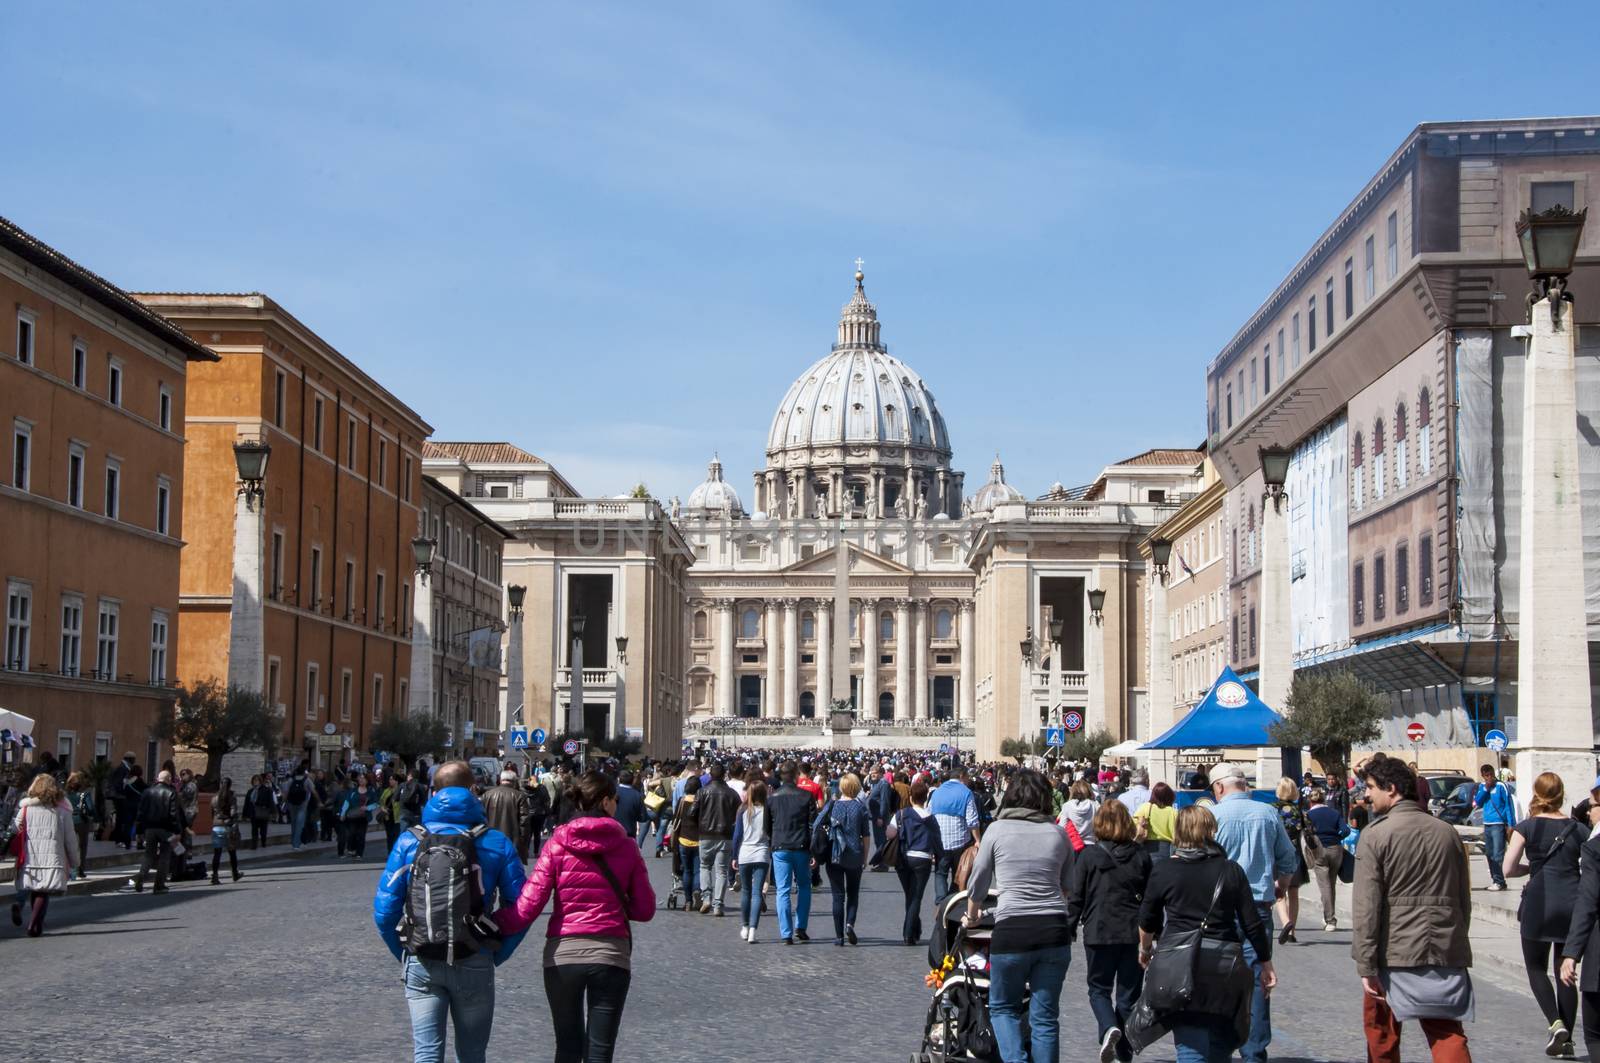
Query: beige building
(618, 563)
(93, 396)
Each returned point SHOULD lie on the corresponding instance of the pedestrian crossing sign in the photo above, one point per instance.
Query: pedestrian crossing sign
(1055, 736)
(519, 738)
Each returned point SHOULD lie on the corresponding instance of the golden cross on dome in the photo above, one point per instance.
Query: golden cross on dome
(859, 263)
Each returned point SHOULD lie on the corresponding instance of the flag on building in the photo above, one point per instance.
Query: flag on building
(483, 648)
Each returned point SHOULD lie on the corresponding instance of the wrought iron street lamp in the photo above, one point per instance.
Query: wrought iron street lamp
(515, 596)
(250, 458)
(1097, 604)
(1275, 473)
(422, 554)
(622, 649)
(1549, 242)
(1160, 554)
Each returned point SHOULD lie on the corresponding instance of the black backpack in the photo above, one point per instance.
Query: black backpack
(538, 800)
(444, 917)
(297, 790)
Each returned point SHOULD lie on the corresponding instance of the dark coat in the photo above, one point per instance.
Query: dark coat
(1108, 884)
(716, 806)
(791, 810)
(630, 810)
(1583, 935)
(508, 810)
(159, 810)
(883, 802)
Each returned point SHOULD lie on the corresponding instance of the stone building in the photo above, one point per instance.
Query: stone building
(94, 389)
(307, 595)
(1386, 361)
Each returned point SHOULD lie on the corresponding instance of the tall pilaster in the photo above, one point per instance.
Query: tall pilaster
(1277, 623)
(791, 659)
(421, 689)
(904, 699)
(726, 700)
(1094, 637)
(1163, 692)
(921, 662)
(770, 706)
(868, 709)
(247, 617)
(824, 614)
(968, 681)
(1554, 720)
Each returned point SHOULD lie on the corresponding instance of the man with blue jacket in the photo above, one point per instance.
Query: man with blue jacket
(1494, 797)
(438, 991)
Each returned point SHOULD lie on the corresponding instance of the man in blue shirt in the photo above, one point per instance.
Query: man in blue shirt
(955, 810)
(1252, 835)
(1499, 814)
(437, 990)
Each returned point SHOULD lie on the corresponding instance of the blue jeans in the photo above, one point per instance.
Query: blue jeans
(1011, 974)
(1494, 848)
(791, 869)
(752, 880)
(689, 861)
(463, 993)
(1204, 1042)
(1254, 1050)
(297, 823)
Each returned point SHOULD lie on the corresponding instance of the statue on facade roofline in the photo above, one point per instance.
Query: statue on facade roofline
(900, 507)
(677, 507)
(872, 506)
(922, 507)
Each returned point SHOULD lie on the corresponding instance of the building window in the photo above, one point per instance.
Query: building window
(1253, 394)
(1378, 461)
(1349, 288)
(1358, 593)
(316, 423)
(1425, 568)
(1358, 474)
(105, 653)
(1252, 631)
(24, 337)
(383, 462)
(71, 635)
(1424, 433)
(378, 601)
(164, 407)
(275, 587)
(1327, 302)
(377, 698)
(1369, 269)
(102, 746)
(1266, 369)
(402, 621)
(350, 445)
(1542, 195)
(275, 683)
(1379, 587)
(75, 463)
(163, 505)
(402, 696)
(1294, 339)
(21, 456)
(313, 689)
(942, 628)
(158, 649)
(1311, 325)
(1402, 579)
(1229, 391)
(405, 478)
(1233, 642)
(885, 627)
(346, 684)
(349, 590)
(19, 625)
(750, 550)
(114, 383)
(1401, 469)
(1282, 374)
(749, 624)
(80, 366)
(315, 594)
(808, 627)
(280, 397)
(1391, 244)
(113, 489)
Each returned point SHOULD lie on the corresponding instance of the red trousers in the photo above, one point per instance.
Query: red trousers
(1445, 1037)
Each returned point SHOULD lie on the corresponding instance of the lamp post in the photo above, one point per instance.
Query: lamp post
(1554, 720)
(1095, 665)
(515, 596)
(421, 699)
(575, 625)
(619, 718)
(1163, 693)
(248, 611)
(1056, 627)
(1276, 662)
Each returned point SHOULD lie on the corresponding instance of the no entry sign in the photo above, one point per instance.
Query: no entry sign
(1416, 732)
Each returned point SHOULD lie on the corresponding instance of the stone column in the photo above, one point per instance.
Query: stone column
(1162, 691)
(968, 682)
(921, 660)
(247, 618)
(726, 696)
(791, 659)
(1277, 624)
(1094, 658)
(1554, 720)
(904, 700)
(769, 701)
(515, 683)
(421, 696)
(824, 657)
(868, 709)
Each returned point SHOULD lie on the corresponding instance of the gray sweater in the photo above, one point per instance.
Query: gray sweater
(1028, 861)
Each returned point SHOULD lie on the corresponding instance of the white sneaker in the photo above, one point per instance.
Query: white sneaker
(751, 937)
(744, 933)
(1328, 928)
(1108, 1046)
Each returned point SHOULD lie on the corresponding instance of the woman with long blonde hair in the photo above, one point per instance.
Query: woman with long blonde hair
(49, 851)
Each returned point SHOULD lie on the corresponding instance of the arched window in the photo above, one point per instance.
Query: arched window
(1378, 460)
(700, 624)
(1358, 474)
(749, 624)
(1401, 466)
(808, 705)
(941, 624)
(808, 627)
(1424, 433)
(886, 706)
(885, 627)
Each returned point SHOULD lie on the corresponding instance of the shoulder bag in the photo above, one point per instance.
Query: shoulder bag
(1169, 981)
(822, 835)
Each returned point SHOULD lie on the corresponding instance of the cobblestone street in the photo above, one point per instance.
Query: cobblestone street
(285, 965)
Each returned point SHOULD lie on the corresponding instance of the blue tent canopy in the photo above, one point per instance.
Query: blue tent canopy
(1230, 717)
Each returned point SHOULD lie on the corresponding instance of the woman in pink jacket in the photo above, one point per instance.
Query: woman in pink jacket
(598, 880)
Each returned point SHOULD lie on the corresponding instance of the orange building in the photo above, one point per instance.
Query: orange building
(92, 397)
(307, 593)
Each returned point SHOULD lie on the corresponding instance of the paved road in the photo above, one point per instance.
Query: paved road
(285, 965)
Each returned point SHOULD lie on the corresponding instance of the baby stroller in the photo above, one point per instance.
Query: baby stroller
(957, 1027)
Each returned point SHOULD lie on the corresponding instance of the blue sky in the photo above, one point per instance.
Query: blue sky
(614, 234)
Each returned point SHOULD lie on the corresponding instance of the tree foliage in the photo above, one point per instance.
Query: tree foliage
(218, 720)
(409, 737)
(1329, 713)
(1087, 745)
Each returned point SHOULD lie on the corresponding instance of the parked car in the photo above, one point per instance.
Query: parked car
(1456, 809)
(1441, 785)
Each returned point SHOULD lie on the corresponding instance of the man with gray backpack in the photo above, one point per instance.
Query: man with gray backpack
(444, 879)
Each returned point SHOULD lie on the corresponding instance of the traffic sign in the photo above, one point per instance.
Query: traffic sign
(1496, 740)
(570, 747)
(1416, 732)
(519, 738)
(537, 738)
(1055, 736)
(1073, 721)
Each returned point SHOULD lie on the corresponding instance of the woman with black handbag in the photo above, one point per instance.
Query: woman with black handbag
(1546, 848)
(1197, 983)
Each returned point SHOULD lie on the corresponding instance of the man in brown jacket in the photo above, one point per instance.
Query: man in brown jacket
(510, 811)
(1412, 909)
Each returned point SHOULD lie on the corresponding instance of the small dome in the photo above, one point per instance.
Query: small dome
(995, 491)
(714, 496)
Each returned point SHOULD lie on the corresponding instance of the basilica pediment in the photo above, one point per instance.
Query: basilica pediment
(862, 563)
